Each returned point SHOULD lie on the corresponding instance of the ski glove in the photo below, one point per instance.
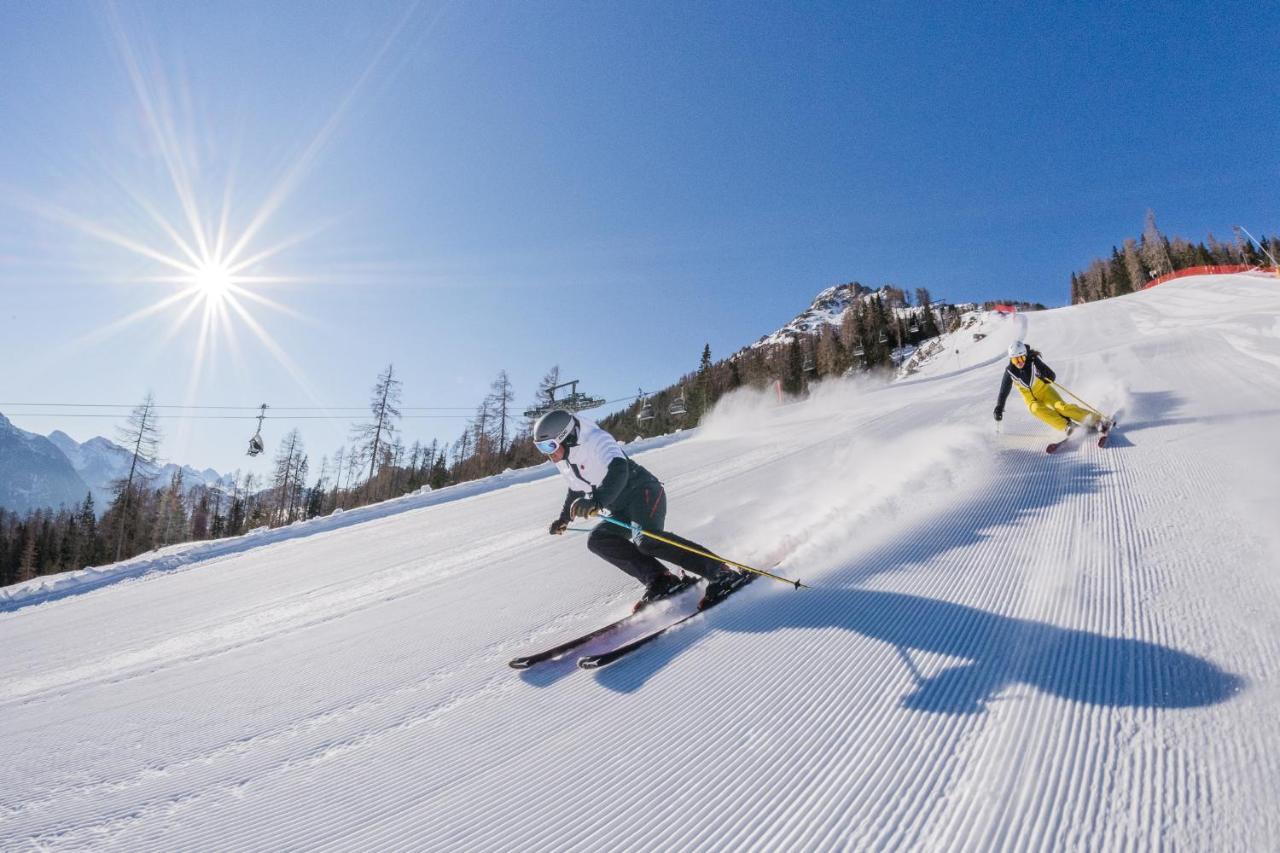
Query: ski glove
(999, 413)
(585, 508)
(558, 526)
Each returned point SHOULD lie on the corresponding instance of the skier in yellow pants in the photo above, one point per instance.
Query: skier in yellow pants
(1035, 382)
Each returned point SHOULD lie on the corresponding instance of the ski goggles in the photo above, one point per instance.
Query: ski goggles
(547, 445)
(1019, 360)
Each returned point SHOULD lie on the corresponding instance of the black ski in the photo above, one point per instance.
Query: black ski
(567, 645)
(606, 658)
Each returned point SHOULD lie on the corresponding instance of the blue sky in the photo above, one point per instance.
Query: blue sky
(459, 189)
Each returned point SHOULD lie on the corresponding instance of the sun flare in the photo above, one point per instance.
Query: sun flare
(213, 281)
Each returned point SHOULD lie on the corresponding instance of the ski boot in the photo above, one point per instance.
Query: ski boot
(663, 586)
(721, 585)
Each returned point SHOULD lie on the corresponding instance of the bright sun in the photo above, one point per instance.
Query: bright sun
(213, 280)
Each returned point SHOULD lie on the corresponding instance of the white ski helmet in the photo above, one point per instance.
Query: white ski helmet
(553, 429)
(1017, 349)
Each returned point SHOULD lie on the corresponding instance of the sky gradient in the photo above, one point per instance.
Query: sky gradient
(463, 188)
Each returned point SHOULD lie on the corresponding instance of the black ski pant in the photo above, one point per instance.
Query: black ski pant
(647, 506)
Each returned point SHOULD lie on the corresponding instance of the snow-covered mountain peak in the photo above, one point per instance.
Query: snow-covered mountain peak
(828, 308)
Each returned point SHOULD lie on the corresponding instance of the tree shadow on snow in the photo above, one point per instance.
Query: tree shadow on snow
(1000, 651)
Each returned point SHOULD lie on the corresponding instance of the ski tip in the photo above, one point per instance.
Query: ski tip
(588, 663)
(519, 663)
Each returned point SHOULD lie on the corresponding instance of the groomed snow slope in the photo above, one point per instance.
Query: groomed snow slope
(1002, 649)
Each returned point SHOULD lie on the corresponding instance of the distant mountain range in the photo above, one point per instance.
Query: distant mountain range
(34, 473)
(38, 471)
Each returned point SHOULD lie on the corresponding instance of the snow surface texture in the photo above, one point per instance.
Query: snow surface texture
(1002, 648)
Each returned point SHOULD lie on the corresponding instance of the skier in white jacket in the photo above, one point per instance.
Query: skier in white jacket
(602, 478)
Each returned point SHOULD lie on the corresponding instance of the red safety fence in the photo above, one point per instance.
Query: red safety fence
(1222, 270)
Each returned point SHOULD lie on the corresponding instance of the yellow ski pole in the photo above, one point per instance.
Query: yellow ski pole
(1078, 400)
(635, 528)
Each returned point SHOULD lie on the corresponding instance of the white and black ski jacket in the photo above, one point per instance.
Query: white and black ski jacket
(596, 466)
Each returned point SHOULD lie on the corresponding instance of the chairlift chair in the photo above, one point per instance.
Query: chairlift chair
(646, 409)
(255, 443)
(677, 406)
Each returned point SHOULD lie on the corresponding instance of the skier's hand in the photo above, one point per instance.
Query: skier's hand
(999, 413)
(559, 526)
(584, 507)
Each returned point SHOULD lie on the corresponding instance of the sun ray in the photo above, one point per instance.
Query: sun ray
(160, 122)
(276, 249)
(196, 375)
(93, 229)
(178, 324)
(270, 303)
(302, 163)
(238, 365)
(272, 347)
(107, 332)
(158, 218)
(223, 220)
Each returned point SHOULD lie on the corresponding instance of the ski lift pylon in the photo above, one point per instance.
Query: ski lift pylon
(574, 401)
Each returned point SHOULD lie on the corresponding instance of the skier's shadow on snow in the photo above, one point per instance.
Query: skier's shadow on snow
(1001, 651)
(1161, 408)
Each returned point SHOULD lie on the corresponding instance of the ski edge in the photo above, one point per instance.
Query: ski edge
(606, 658)
(528, 661)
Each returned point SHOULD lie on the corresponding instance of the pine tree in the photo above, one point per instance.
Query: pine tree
(546, 388)
(1133, 264)
(928, 323)
(440, 469)
(830, 358)
(502, 397)
(355, 460)
(284, 476)
(1154, 250)
(1119, 270)
(699, 398)
(142, 434)
(201, 514)
(171, 517)
(28, 563)
(384, 404)
(793, 371)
